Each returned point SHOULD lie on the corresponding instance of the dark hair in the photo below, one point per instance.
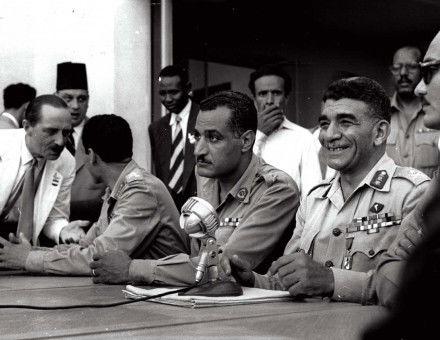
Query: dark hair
(174, 70)
(33, 110)
(363, 89)
(243, 111)
(270, 70)
(109, 136)
(15, 95)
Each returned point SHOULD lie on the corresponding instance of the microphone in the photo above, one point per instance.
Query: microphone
(200, 221)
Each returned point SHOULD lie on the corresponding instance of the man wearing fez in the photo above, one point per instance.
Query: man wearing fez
(345, 223)
(36, 174)
(86, 200)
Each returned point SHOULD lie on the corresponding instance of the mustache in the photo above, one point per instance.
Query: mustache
(202, 159)
(404, 79)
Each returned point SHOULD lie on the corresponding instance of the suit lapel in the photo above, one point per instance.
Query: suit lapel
(45, 197)
(9, 167)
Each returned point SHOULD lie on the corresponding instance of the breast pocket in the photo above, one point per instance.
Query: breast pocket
(367, 248)
(426, 148)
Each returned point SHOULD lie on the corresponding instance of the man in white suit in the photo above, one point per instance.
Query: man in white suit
(46, 124)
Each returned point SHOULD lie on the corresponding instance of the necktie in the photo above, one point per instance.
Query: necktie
(70, 143)
(176, 161)
(32, 178)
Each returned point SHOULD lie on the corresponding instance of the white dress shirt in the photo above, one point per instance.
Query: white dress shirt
(77, 132)
(292, 149)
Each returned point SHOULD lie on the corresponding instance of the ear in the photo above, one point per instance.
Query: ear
(247, 140)
(93, 157)
(381, 132)
(26, 125)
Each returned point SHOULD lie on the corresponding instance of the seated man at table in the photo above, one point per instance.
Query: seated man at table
(138, 216)
(255, 201)
(346, 223)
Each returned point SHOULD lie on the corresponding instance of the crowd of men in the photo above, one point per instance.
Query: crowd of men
(74, 202)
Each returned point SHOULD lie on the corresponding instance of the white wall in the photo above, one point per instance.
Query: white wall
(111, 36)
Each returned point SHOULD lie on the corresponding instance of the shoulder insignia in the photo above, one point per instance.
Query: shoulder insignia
(321, 184)
(379, 179)
(133, 176)
(415, 176)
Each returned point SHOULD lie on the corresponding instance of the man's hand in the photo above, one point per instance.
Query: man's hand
(270, 119)
(111, 267)
(73, 231)
(239, 269)
(302, 276)
(13, 254)
(411, 237)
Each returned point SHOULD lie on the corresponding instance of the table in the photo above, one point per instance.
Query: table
(312, 319)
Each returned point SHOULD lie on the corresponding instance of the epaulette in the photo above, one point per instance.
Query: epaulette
(413, 175)
(134, 177)
(321, 184)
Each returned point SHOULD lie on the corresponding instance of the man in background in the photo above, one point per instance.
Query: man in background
(278, 141)
(72, 87)
(16, 98)
(172, 150)
(410, 143)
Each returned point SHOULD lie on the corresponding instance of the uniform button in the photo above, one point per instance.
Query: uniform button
(337, 232)
(407, 136)
(328, 264)
(405, 155)
(371, 252)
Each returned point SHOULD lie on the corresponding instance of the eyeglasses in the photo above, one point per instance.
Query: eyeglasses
(411, 68)
(427, 69)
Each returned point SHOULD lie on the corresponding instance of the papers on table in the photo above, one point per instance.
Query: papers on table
(250, 295)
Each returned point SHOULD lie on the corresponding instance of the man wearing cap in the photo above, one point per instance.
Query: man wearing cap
(86, 198)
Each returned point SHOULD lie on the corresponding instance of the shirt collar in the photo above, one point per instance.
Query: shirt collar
(385, 163)
(182, 114)
(26, 155)
(395, 107)
(11, 118)
(241, 189)
(120, 182)
(287, 124)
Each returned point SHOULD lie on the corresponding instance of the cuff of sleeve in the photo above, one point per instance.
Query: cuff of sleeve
(35, 261)
(54, 229)
(141, 270)
(349, 285)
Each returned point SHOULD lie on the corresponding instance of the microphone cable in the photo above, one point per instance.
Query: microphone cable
(103, 305)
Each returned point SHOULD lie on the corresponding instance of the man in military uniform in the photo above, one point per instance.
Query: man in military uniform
(345, 224)
(138, 216)
(424, 217)
(256, 202)
(410, 143)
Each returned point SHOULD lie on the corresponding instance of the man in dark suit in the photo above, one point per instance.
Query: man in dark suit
(172, 150)
(86, 200)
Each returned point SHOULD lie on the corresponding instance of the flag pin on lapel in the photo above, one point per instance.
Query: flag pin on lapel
(55, 180)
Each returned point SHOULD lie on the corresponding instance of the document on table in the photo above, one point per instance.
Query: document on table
(250, 295)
